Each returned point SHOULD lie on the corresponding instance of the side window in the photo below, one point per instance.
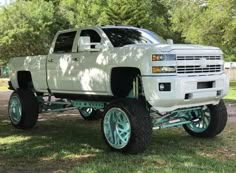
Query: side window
(64, 42)
(94, 36)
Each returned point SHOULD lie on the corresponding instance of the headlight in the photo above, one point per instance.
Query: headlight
(163, 69)
(163, 57)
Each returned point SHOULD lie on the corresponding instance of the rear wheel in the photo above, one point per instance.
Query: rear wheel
(90, 113)
(23, 109)
(127, 126)
(212, 121)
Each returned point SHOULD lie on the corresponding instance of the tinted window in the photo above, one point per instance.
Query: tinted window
(120, 37)
(94, 36)
(64, 42)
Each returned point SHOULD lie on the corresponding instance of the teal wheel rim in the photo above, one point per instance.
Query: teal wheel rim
(204, 117)
(117, 128)
(15, 110)
(86, 112)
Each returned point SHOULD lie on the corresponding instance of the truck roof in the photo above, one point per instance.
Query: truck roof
(102, 27)
(118, 26)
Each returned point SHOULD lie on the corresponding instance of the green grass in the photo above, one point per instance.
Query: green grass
(231, 97)
(3, 84)
(65, 143)
(3, 88)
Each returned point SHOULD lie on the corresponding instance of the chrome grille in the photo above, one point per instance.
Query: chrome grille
(198, 69)
(199, 64)
(198, 57)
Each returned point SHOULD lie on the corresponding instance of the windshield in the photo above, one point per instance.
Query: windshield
(120, 37)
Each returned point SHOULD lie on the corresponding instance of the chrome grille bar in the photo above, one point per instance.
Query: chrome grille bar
(198, 69)
(198, 57)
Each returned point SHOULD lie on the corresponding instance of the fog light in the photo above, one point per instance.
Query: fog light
(164, 86)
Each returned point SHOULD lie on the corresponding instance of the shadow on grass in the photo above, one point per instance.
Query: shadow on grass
(52, 140)
(69, 143)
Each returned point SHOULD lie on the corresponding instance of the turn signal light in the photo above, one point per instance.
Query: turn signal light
(156, 69)
(163, 69)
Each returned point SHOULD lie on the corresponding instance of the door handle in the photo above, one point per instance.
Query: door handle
(50, 60)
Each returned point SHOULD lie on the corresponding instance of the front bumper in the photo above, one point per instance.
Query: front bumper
(165, 101)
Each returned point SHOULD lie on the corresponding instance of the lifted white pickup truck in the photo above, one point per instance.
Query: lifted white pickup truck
(130, 76)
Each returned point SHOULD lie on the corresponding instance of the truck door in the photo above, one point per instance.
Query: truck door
(60, 63)
(90, 75)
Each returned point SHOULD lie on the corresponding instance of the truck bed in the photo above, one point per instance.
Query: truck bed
(35, 64)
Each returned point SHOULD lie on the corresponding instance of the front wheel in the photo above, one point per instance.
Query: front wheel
(212, 121)
(127, 126)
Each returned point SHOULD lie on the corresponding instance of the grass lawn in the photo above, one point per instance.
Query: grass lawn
(65, 143)
(3, 88)
(3, 84)
(231, 97)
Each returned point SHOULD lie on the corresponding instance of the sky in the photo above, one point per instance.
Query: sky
(3, 2)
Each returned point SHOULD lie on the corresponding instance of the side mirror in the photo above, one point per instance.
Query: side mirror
(170, 41)
(86, 45)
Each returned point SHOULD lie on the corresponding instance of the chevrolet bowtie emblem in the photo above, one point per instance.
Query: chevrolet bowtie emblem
(203, 62)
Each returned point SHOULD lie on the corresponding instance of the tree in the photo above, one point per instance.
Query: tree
(27, 27)
(207, 22)
(150, 14)
(83, 12)
(128, 12)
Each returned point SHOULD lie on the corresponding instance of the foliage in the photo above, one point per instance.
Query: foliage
(149, 14)
(27, 26)
(209, 22)
(83, 12)
(128, 12)
(231, 97)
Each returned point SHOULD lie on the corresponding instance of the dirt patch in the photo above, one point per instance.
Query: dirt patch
(231, 109)
(4, 96)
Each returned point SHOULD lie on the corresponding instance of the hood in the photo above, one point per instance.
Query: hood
(169, 47)
(172, 47)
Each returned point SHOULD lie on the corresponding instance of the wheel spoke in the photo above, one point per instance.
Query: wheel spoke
(126, 137)
(15, 110)
(203, 123)
(206, 121)
(119, 117)
(121, 130)
(113, 115)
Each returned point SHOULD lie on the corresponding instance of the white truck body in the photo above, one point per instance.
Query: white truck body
(89, 72)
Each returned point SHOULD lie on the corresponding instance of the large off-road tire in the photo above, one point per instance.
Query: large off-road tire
(211, 123)
(23, 109)
(127, 126)
(90, 114)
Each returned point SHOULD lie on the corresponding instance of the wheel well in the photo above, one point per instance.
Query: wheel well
(122, 80)
(24, 80)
